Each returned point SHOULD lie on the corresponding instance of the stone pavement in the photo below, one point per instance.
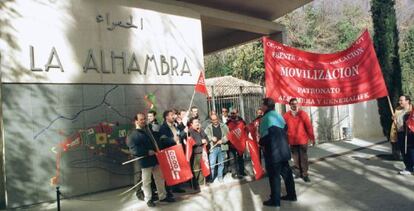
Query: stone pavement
(346, 175)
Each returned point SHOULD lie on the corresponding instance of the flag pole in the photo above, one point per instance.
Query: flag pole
(390, 104)
(191, 101)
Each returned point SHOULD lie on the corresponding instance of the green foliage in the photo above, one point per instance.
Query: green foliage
(407, 62)
(249, 65)
(244, 62)
(386, 47)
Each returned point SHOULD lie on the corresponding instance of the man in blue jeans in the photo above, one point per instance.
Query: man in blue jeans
(217, 134)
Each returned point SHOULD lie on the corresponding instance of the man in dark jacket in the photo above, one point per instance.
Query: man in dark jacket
(170, 136)
(141, 143)
(276, 152)
(200, 139)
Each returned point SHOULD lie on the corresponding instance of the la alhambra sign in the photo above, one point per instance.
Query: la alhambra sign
(101, 43)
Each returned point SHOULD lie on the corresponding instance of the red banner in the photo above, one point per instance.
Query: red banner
(174, 166)
(205, 165)
(255, 155)
(201, 85)
(345, 77)
(237, 138)
(252, 128)
(189, 148)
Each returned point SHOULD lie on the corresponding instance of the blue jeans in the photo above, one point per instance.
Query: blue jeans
(216, 155)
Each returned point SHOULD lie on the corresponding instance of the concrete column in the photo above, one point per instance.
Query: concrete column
(2, 160)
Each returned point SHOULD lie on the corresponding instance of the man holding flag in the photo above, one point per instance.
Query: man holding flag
(170, 136)
(217, 134)
(141, 144)
(237, 138)
(200, 140)
(401, 135)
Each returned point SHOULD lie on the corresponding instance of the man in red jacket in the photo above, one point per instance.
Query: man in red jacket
(300, 132)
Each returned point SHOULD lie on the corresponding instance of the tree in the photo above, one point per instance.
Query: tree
(407, 62)
(386, 47)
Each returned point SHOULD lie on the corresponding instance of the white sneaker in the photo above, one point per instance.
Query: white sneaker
(405, 172)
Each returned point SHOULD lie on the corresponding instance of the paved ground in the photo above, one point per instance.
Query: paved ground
(346, 175)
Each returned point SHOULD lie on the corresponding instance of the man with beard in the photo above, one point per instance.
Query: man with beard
(170, 136)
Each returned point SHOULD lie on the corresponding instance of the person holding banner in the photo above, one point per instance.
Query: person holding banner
(236, 158)
(276, 153)
(300, 132)
(217, 134)
(141, 145)
(399, 133)
(170, 136)
(200, 138)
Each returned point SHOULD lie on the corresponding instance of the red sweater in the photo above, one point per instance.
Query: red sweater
(300, 129)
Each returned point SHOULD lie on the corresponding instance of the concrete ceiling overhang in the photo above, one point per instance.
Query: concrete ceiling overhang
(227, 23)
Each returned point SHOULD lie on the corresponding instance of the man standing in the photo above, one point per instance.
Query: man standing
(142, 144)
(399, 132)
(300, 132)
(200, 139)
(217, 134)
(236, 160)
(276, 154)
(169, 136)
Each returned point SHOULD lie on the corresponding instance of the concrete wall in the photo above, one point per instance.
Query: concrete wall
(366, 120)
(63, 84)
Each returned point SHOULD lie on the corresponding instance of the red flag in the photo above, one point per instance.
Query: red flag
(174, 167)
(237, 138)
(201, 85)
(252, 129)
(350, 76)
(410, 121)
(205, 165)
(189, 148)
(255, 155)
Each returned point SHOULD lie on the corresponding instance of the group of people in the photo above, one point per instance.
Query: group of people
(280, 139)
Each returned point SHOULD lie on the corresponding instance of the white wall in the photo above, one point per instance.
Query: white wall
(366, 120)
(79, 36)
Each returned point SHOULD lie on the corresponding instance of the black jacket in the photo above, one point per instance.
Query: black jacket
(198, 136)
(166, 136)
(139, 144)
(275, 145)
